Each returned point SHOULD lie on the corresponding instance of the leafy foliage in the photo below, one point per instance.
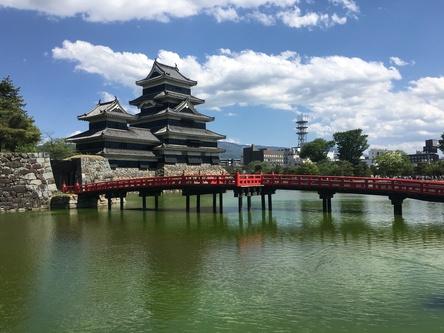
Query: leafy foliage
(58, 148)
(316, 150)
(351, 145)
(394, 163)
(17, 129)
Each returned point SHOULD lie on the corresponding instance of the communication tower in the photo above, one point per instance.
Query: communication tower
(301, 129)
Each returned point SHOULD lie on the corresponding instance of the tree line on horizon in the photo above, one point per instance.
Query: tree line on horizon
(19, 133)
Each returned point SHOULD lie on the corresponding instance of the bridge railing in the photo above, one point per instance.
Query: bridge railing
(246, 180)
(355, 183)
(151, 182)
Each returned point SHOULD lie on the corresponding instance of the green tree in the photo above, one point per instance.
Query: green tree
(351, 145)
(316, 150)
(307, 168)
(336, 168)
(435, 168)
(58, 148)
(395, 163)
(17, 129)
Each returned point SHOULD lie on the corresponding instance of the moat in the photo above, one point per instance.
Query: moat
(295, 270)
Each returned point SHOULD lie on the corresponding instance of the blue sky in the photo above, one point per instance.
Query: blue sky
(373, 64)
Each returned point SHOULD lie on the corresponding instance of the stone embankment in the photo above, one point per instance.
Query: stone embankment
(96, 169)
(26, 181)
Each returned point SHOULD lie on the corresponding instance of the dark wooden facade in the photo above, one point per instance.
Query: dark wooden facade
(167, 130)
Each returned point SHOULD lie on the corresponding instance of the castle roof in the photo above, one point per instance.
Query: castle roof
(163, 71)
(111, 109)
(132, 134)
(190, 132)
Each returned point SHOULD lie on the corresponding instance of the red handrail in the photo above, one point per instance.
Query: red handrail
(359, 184)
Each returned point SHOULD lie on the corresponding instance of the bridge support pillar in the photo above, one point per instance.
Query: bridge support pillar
(396, 201)
(326, 197)
(263, 201)
(144, 202)
(249, 202)
(110, 201)
(221, 202)
(122, 198)
(156, 202)
(187, 203)
(239, 198)
(214, 202)
(198, 203)
(270, 203)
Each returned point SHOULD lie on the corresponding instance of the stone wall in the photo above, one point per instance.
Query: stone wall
(26, 181)
(190, 170)
(96, 169)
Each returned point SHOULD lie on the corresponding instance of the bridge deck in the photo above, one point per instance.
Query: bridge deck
(418, 189)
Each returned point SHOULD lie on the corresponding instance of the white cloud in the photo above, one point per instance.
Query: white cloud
(106, 96)
(232, 140)
(224, 14)
(341, 92)
(400, 62)
(349, 5)
(263, 11)
(295, 19)
(265, 19)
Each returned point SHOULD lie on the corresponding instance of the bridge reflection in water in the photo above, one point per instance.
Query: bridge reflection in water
(263, 185)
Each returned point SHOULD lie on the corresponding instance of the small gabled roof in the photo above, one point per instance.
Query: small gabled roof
(111, 109)
(167, 72)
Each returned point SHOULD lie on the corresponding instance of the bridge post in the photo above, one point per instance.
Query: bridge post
(198, 203)
(249, 202)
(214, 202)
(263, 201)
(188, 203)
(270, 204)
(144, 202)
(121, 201)
(109, 199)
(156, 202)
(239, 198)
(221, 202)
(396, 201)
(326, 197)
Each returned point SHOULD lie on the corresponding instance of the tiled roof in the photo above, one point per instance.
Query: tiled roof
(132, 133)
(195, 132)
(112, 108)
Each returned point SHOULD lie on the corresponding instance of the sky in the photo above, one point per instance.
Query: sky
(344, 64)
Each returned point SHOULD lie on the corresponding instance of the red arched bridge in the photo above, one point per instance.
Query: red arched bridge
(248, 185)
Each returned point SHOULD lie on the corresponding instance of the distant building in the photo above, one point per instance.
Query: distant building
(429, 153)
(230, 162)
(291, 156)
(271, 156)
(431, 146)
(373, 154)
(421, 157)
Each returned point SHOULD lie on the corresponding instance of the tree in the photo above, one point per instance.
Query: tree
(394, 163)
(351, 145)
(58, 148)
(316, 150)
(307, 168)
(17, 129)
(337, 168)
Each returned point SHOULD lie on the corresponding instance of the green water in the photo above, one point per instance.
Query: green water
(294, 271)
